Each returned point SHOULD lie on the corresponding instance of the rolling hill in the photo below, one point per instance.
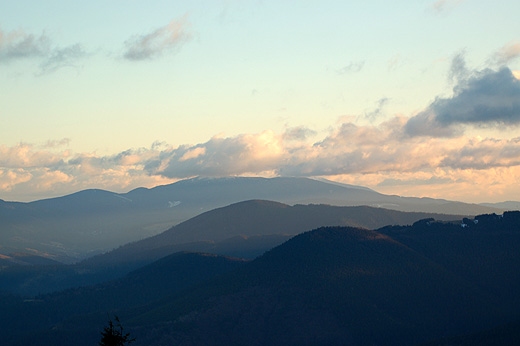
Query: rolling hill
(253, 222)
(22, 318)
(428, 283)
(245, 229)
(90, 222)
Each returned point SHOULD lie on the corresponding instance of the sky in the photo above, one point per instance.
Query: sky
(408, 97)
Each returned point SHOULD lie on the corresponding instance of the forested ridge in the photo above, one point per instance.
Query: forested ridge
(429, 282)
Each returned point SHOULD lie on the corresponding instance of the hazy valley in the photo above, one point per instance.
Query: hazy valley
(90, 222)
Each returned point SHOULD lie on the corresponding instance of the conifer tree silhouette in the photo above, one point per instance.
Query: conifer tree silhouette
(113, 335)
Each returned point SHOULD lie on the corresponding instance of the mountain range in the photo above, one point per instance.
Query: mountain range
(86, 223)
(245, 229)
(432, 282)
(253, 261)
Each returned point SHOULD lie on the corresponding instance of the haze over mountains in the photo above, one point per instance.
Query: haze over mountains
(398, 285)
(248, 229)
(83, 224)
(245, 229)
(289, 261)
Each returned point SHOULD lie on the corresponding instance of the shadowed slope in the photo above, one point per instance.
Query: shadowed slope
(329, 286)
(21, 319)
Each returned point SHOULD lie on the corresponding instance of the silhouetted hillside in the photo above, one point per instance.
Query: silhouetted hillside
(428, 283)
(508, 334)
(328, 286)
(20, 318)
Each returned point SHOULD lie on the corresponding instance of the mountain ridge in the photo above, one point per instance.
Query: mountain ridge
(431, 281)
(93, 221)
(263, 218)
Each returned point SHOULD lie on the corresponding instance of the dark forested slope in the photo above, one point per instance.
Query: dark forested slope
(430, 283)
(334, 286)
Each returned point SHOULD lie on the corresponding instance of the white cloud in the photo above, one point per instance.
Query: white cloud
(380, 156)
(220, 156)
(193, 154)
(26, 155)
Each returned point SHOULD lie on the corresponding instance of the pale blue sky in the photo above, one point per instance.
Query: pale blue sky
(107, 79)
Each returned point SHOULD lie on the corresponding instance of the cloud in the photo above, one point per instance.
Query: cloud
(26, 155)
(349, 149)
(13, 177)
(445, 5)
(486, 98)
(381, 156)
(507, 54)
(483, 154)
(159, 41)
(414, 182)
(395, 62)
(57, 143)
(16, 45)
(29, 172)
(458, 70)
(378, 111)
(298, 133)
(193, 154)
(221, 156)
(351, 67)
(62, 57)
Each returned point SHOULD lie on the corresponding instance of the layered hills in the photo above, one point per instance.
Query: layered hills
(245, 229)
(90, 222)
(249, 228)
(397, 285)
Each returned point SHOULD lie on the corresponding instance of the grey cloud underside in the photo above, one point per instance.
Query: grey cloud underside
(62, 57)
(486, 154)
(18, 45)
(490, 98)
(14, 46)
(298, 133)
(352, 67)
(414, 182)
(378, 111)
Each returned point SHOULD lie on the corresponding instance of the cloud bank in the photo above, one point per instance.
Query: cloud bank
(381, 156)
(429, 153)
